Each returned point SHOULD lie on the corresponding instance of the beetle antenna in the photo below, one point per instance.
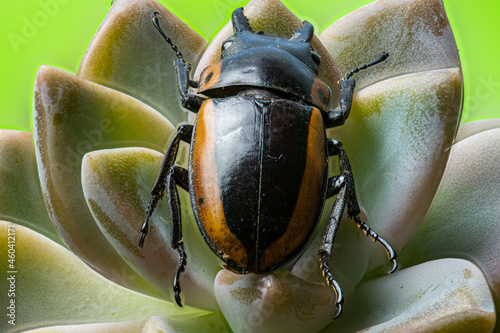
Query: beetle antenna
(381, 58)
(157, 26)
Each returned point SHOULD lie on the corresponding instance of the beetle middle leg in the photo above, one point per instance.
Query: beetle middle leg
(343, 186)
(168, 178)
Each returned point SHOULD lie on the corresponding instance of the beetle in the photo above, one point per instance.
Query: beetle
(258, 162)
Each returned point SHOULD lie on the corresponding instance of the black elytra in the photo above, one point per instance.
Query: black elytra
(258, 163)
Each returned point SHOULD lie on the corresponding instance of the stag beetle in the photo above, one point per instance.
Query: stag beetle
(258, 162)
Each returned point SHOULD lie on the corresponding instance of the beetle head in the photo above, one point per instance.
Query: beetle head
(244, 38)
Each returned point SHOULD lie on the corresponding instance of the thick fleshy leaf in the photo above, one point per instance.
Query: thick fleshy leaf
(449, 295)
(212, 323)
(128, 54)
(273, 303)
(117, 185)
(21, 199)
(120, 327)
(406, 111)
(73, 116)
(53, 287)
(416, 33)
(463, 220)
(475, 127)
(274, 19)
(398, 138)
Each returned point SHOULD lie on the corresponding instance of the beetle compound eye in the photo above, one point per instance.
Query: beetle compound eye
(227, 44)
(316, 57)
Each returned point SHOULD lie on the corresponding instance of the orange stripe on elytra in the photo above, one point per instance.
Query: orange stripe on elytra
(207, 191)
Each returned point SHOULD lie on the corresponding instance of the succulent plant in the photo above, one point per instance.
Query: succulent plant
(73, 194)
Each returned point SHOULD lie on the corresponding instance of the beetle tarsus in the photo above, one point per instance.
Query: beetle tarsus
(332, 282)
(145, 226)
(143, 237)
(391, 253)
(144, 231)
(180, 269)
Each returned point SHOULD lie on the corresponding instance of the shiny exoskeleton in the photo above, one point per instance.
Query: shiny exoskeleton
(258, 164)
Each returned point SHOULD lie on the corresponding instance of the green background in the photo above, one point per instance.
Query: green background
(57, 32)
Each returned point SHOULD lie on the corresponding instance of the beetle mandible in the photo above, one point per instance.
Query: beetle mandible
(258, 162)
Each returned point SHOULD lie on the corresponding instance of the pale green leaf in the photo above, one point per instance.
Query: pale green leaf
(449, 295)
(117, 185)
(53, 287)
(73, 116)
(463, 220)
(128, 54)
(21, 199)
